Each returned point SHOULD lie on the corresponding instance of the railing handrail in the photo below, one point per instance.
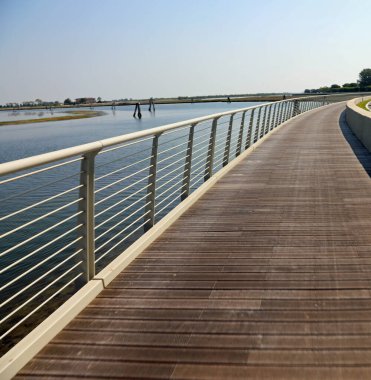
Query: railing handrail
(61, 154)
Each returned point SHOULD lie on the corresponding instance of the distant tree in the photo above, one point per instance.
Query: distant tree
(67, 102)
(365, 78)
(335, 86)
(307, 91)
(324, 89)
(99, 99)
(348, 85)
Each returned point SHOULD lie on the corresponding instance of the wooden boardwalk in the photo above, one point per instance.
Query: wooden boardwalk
(268, 276)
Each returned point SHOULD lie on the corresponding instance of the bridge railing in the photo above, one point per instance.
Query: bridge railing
(66, 214)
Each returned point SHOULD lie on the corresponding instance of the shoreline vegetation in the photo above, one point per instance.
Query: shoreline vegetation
(363, 104)
(72, 115)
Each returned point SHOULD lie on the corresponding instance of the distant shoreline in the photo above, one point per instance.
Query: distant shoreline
(250, 98)
(73, 115)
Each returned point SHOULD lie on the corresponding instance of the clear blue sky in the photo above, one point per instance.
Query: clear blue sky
(53, 49)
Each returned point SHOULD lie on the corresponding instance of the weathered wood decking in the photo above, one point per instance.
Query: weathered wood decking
(267, 277)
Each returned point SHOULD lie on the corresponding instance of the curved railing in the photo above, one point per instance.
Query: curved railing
(66, 214)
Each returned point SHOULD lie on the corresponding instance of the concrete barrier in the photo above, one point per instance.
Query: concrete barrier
(359, 121)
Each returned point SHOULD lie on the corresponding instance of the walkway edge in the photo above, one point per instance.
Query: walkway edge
(16, 358)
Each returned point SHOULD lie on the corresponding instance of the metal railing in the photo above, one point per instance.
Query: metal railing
(66, 214)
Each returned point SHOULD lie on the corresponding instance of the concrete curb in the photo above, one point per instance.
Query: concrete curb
(359, 121)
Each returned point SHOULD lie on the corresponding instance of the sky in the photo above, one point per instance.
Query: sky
(113, 49)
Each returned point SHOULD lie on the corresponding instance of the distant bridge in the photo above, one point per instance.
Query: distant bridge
(263, 270)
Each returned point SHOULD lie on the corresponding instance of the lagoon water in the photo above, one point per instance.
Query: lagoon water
(19, 141)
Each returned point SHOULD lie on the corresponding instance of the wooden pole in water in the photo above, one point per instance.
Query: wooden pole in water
(137, 108)
(151, 104)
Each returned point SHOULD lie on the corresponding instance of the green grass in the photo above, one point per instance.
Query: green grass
(83, 114)
(363, 104)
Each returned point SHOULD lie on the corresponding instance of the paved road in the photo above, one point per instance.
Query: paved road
(268, 276)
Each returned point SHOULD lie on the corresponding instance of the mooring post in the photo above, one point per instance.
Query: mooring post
(137, 108)
(151, 105)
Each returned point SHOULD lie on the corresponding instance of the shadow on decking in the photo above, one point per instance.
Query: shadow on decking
(363, 155)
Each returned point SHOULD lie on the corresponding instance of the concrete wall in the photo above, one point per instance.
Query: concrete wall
(359, 121)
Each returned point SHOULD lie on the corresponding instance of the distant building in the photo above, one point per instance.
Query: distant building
(85, 100)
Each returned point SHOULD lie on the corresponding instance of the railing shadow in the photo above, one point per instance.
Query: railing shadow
(363, 155)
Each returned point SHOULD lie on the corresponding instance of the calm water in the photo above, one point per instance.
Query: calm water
(19, 141)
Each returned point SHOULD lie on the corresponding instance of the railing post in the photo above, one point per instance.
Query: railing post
(289, 110)
(281, 114)
(273, 117)
(261, 134)
(295, 109)
(86, 218)
(240, 135)
(257, 127)
(188, 163)
(277, 122)
(250, 135)
(286, 112)
(268, 120)
(210, 151)
(150, 209)
(228, 142)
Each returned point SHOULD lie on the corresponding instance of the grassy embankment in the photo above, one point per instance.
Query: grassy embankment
(363, 104)
(83, 114)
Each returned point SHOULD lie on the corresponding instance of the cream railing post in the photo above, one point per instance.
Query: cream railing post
(151, 190)
(268, 120)
(295, 110)
(257, 126)
(228, 142)
(188, 163)
(250, 135)
(210, 151)
(262, 130)
(271, 126)
(86, 217)
(240, 135)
